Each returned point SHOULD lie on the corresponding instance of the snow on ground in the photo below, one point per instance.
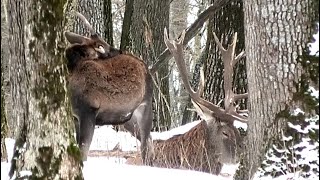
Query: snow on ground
(105, 138)
(100, 168)
(314, 46)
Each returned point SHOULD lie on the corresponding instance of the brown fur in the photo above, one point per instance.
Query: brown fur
(102, 80)
(108, 87)
(188, 151)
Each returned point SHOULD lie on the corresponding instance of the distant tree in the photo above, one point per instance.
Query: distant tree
(148, 20)
(45, 146)
(179, 10)
(279, 75)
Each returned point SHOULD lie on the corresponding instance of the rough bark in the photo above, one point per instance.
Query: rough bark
(5, 88)
(45, 147)
(149, 18)
(99, 15)
(125, 34)
(276, 36)
(225, 23)
(4, 124)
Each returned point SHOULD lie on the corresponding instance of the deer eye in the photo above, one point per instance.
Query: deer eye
(100, 49)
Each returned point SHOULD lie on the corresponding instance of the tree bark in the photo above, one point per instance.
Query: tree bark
(179, 10)
(276, 35)
(45, 147)
(4, 124)
(125, 34)
(5, 88)
(99, 15)
(225, 23)
(149, 18)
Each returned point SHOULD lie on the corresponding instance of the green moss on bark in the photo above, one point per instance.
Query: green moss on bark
(47, 30)
(49, 164)
(74, 151)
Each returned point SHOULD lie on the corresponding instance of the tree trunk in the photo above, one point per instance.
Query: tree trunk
(126, 25)
(5, 89)
(45, 147)
(225, 23)
(276, 36)
(178, 95)
(149, 18)
(4, 124)
(199, 56)
(99, 15)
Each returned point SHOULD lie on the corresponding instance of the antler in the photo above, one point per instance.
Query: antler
(86, 23)
(94, 35)
(229, 61)
(204, 108)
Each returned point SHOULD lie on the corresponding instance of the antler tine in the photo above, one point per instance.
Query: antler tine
(204, 108)
(201, 83)
(86, 23)
(229, 61)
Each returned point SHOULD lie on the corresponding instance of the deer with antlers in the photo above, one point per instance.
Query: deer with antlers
(215, 140)
(107, 87)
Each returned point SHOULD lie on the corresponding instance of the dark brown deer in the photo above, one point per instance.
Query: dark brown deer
(108, 87)
(215, 140)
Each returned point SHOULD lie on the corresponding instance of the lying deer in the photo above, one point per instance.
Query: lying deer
(214, 141)
(108, 87)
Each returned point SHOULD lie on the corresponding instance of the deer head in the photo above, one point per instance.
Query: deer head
(93, 47)
(224, 136)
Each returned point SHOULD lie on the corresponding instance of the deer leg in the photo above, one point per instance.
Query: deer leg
(87, 124)
(141, 124)
(131, 126)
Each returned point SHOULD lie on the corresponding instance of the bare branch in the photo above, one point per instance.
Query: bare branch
(192, 30)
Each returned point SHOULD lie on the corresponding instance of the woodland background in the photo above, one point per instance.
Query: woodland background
(278, 72)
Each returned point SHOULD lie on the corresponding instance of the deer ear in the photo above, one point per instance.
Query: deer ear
(75, 38)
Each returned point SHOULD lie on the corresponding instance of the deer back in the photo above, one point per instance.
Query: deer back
(117, 82)
(191, 150)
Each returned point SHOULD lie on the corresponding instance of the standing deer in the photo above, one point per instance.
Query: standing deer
(214, 141)
(108, 87)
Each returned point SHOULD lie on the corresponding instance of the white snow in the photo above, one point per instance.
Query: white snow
(105, 138)
(314, 47)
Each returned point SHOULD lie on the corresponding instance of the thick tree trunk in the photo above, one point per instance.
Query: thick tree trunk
(149, 18)
(127, 21)
(99, 15)
(276, 35)
(225, 23)
(5, 89)
(45, 147)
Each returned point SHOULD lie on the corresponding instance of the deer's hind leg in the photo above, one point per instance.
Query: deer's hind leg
(140, 125)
